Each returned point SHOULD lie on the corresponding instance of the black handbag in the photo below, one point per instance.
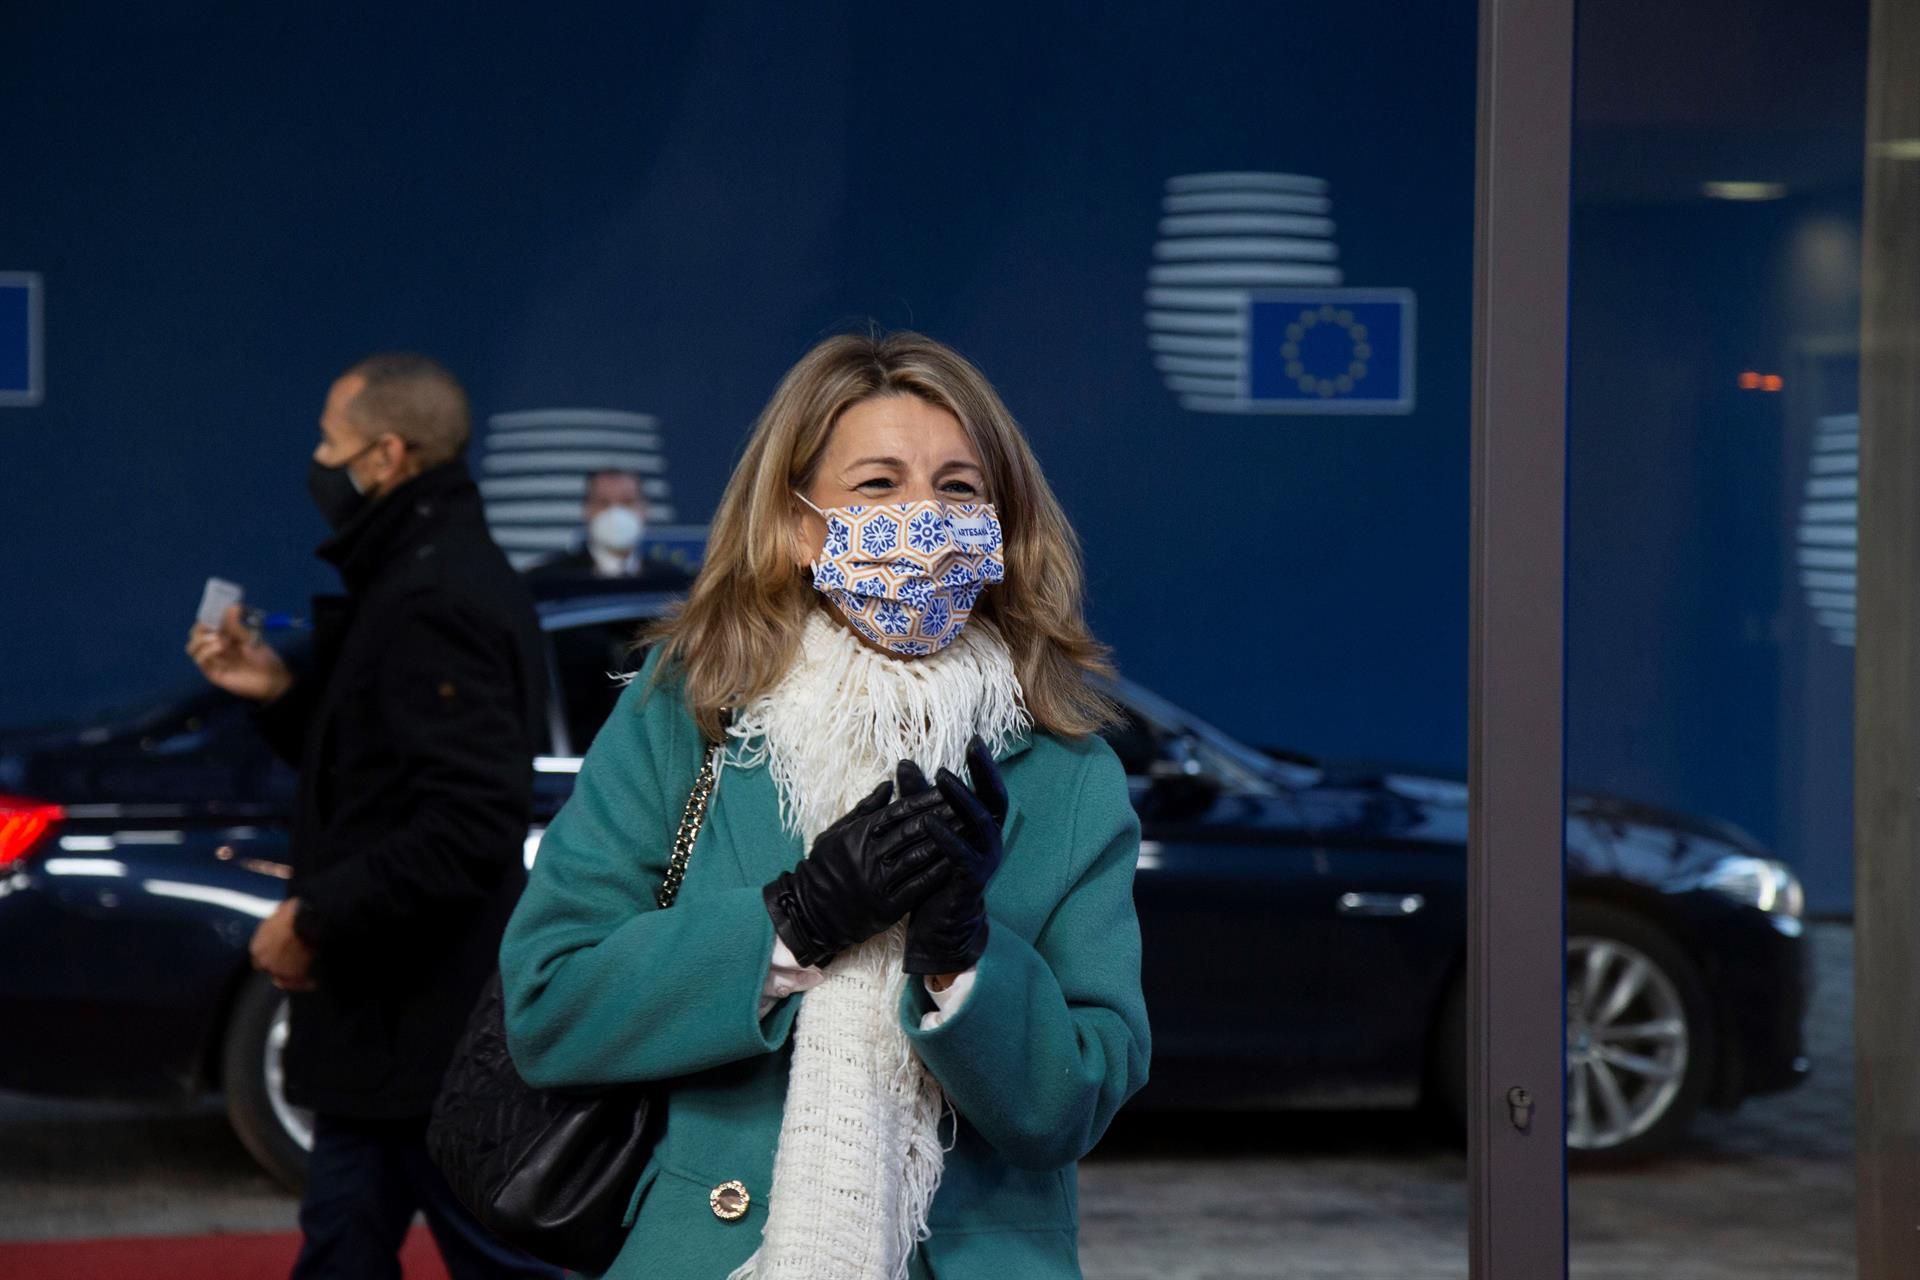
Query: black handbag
(549, 1171)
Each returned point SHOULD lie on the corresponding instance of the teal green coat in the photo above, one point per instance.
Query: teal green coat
(602, 987)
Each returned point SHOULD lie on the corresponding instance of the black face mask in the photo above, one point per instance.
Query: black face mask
(333, 490)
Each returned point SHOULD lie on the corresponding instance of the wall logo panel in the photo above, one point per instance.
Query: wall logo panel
(533, 476)
(1829, 530)
(1245, 309)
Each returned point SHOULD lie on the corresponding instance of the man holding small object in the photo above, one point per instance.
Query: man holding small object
(414, 733)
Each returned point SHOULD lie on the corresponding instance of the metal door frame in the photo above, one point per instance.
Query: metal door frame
(1516, 943)
(1886, 666)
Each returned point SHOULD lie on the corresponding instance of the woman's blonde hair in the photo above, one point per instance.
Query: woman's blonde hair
(736, 633)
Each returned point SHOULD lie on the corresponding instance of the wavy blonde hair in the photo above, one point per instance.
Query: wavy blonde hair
(740, 625)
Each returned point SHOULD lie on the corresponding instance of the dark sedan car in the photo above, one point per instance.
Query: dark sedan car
(1304, 926)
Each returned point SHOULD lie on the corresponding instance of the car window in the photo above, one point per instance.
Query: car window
(1134, 741)
(1152, 727)
(588, 659)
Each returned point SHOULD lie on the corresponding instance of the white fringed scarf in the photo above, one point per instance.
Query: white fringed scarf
(860, 1154)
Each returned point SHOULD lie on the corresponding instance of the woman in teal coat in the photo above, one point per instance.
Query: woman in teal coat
(889, 1014)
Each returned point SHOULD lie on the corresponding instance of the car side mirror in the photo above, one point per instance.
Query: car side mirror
(1179, 785)
(1176, 761)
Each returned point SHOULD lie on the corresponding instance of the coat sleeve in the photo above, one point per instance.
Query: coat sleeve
(283, 722)
(601, 985)
(1052, 1038)
(452, 688)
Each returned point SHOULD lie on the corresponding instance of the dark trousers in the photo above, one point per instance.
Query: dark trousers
(364, 1182)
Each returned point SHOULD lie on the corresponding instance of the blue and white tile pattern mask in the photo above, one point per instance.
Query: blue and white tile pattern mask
(906, 575)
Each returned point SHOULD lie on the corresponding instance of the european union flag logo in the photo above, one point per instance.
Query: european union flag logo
(1330, 351)
(19, 338)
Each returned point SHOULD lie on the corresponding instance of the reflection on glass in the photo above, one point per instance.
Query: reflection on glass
(1713, 482)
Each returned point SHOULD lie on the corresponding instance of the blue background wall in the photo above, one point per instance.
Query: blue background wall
(660, 211)
(1697, 675)
(231, 206)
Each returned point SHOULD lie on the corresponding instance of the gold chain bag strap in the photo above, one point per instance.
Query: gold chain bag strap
(551, 1171)
(696, 813)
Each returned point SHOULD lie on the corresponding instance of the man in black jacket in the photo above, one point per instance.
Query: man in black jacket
(414, 734)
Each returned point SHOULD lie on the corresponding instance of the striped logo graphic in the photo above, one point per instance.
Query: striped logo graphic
(1829, 525)
(534, 469)
(1245, 309)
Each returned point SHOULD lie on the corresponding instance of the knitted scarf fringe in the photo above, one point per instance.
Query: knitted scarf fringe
(843, 706)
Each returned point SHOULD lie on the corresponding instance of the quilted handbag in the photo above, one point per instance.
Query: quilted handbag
(549, 1171)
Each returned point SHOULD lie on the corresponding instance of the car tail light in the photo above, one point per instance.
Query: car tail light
(22, 824)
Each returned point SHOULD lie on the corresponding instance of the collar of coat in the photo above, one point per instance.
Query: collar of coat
(393, 522)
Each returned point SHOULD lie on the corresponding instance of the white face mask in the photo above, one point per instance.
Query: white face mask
(616, 529)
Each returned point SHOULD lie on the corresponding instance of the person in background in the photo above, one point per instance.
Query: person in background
(414, 733)
(615, 515)
(595, 660)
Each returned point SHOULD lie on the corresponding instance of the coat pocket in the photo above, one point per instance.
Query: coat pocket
(1028, 1254)
(647, 1175)
(676, 1231)
(980, 1192)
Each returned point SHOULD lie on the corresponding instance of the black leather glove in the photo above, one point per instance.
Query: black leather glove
(948, 932)
(865, 872)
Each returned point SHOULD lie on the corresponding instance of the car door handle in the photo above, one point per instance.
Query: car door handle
(1380, 904)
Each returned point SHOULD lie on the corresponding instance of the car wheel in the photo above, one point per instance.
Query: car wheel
(1639, 1039)
(278, 1134)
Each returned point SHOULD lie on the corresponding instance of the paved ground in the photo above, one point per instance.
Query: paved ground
(1766, 1194)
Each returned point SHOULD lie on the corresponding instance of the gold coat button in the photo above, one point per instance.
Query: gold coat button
(729, 1201)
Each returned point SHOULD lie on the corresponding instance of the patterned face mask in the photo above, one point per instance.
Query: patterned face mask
(906, 575)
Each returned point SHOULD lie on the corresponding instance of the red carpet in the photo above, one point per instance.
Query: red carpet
(253, 1256)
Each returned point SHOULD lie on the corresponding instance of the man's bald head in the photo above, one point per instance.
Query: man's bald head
(413, 396)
